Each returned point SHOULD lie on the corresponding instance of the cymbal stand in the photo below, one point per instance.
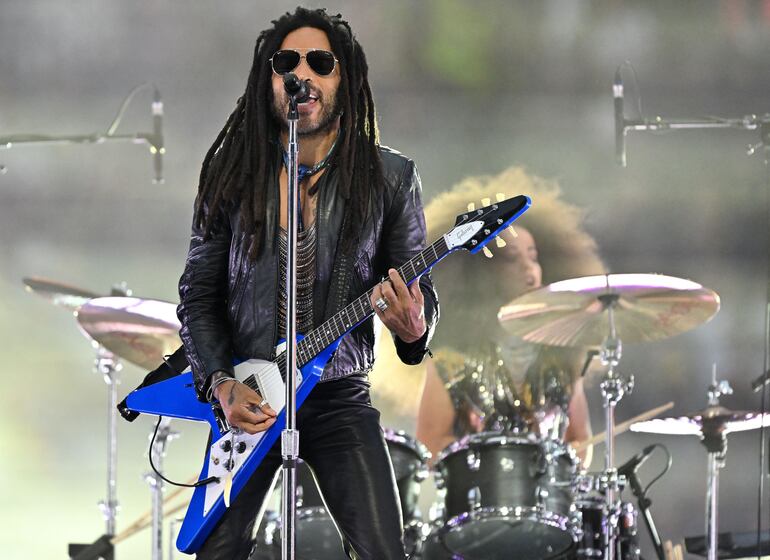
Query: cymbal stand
(613, 388)
(158, 450)
(715, 442)
(109, 366)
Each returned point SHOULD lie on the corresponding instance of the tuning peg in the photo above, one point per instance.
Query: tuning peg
(471, 207)
(500, 197)
(487, 252)
(513, 231)
(500, 242)
(485, 201)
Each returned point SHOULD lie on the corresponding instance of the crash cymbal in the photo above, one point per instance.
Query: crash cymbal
(646, 307)
(58, 293)
(713, 420)
(141, 331)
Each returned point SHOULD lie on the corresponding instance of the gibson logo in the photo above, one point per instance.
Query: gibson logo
(463, 233)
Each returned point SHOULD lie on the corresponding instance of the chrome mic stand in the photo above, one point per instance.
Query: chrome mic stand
(750, 122)
(613, 388)
(154, 140)
(290, 435)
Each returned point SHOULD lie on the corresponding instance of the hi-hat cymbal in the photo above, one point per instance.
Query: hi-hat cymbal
(58, 293)
(646, 307)
(141, 331)
(711, 420)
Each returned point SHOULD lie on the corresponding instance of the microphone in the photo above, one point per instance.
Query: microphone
(630, 467)
(156, 145)
(296, 88)
(620, 122)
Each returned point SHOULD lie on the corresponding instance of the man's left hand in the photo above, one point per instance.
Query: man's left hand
(404, 313)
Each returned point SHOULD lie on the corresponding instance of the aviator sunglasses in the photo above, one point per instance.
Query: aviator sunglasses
(321, 62)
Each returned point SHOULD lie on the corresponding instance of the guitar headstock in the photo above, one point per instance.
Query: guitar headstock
(475, 228)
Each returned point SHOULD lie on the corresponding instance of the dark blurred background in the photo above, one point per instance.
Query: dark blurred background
(462, 87)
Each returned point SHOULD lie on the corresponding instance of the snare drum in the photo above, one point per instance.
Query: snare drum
(504, 494)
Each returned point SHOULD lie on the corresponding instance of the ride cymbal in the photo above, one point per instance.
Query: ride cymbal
(646, 307)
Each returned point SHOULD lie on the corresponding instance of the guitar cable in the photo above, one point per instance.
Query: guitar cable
(203, 482)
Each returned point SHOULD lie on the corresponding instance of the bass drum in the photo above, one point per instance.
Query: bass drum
(505, 496)
(317, 535)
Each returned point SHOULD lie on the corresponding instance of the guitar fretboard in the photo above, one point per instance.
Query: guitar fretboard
(360, 308)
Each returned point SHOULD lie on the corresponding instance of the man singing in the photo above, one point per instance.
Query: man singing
(360, 217)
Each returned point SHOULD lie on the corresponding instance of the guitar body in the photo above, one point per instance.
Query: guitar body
(176, 398)
(232, 458)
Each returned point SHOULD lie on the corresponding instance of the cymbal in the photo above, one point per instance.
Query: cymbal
(58, 293)
(141, 331)
(713, 419)
(646, 307)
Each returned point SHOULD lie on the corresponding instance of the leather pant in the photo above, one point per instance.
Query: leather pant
(341, 440)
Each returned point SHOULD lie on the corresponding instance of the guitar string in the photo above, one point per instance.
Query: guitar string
(316, 346)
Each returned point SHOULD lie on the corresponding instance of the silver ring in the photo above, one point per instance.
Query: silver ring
(263, 403)
(381, 303)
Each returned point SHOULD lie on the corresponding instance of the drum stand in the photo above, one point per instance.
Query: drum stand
(158, 450)
(715, 442)
(107, 365)
(613, 388)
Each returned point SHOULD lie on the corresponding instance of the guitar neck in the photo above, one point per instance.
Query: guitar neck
(361, 308)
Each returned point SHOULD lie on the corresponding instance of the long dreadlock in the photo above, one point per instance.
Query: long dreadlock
(236, 168)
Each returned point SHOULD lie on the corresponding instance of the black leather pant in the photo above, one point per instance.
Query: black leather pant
(341, 440)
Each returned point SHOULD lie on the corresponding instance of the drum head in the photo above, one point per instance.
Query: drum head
(497, 537)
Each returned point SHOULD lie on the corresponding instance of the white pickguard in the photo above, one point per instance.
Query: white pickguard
(272, 388)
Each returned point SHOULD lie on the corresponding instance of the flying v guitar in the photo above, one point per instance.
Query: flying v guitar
(231, 461)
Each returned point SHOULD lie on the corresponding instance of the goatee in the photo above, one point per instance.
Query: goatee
(326, 119)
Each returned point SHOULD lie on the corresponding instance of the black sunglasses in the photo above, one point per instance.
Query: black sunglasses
(321, 62)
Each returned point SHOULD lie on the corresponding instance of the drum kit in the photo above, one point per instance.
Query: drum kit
(500, 494)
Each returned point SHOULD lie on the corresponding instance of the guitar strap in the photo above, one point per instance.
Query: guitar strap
(337, 297)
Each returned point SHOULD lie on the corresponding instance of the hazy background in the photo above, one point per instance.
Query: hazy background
(461, 87)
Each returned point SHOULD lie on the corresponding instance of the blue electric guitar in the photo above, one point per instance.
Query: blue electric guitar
(230, 461)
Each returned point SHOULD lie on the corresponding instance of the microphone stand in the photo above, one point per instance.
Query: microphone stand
(290, 435)
(152, 140)
(644, 505)
(748, 122)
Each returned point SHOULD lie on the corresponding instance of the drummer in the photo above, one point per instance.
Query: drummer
(482, 379)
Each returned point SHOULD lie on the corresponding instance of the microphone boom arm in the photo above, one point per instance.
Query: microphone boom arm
(152, 140)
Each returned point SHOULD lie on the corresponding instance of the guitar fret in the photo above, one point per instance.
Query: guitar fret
(359, 309)
(332, 335)
(348, 323)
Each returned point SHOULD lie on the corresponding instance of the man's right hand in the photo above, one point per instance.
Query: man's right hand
(240, 404)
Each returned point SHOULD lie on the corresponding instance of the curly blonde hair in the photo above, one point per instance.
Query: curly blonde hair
(469, 286)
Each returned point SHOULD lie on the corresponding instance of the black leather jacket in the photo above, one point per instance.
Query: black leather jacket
(228, 302)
